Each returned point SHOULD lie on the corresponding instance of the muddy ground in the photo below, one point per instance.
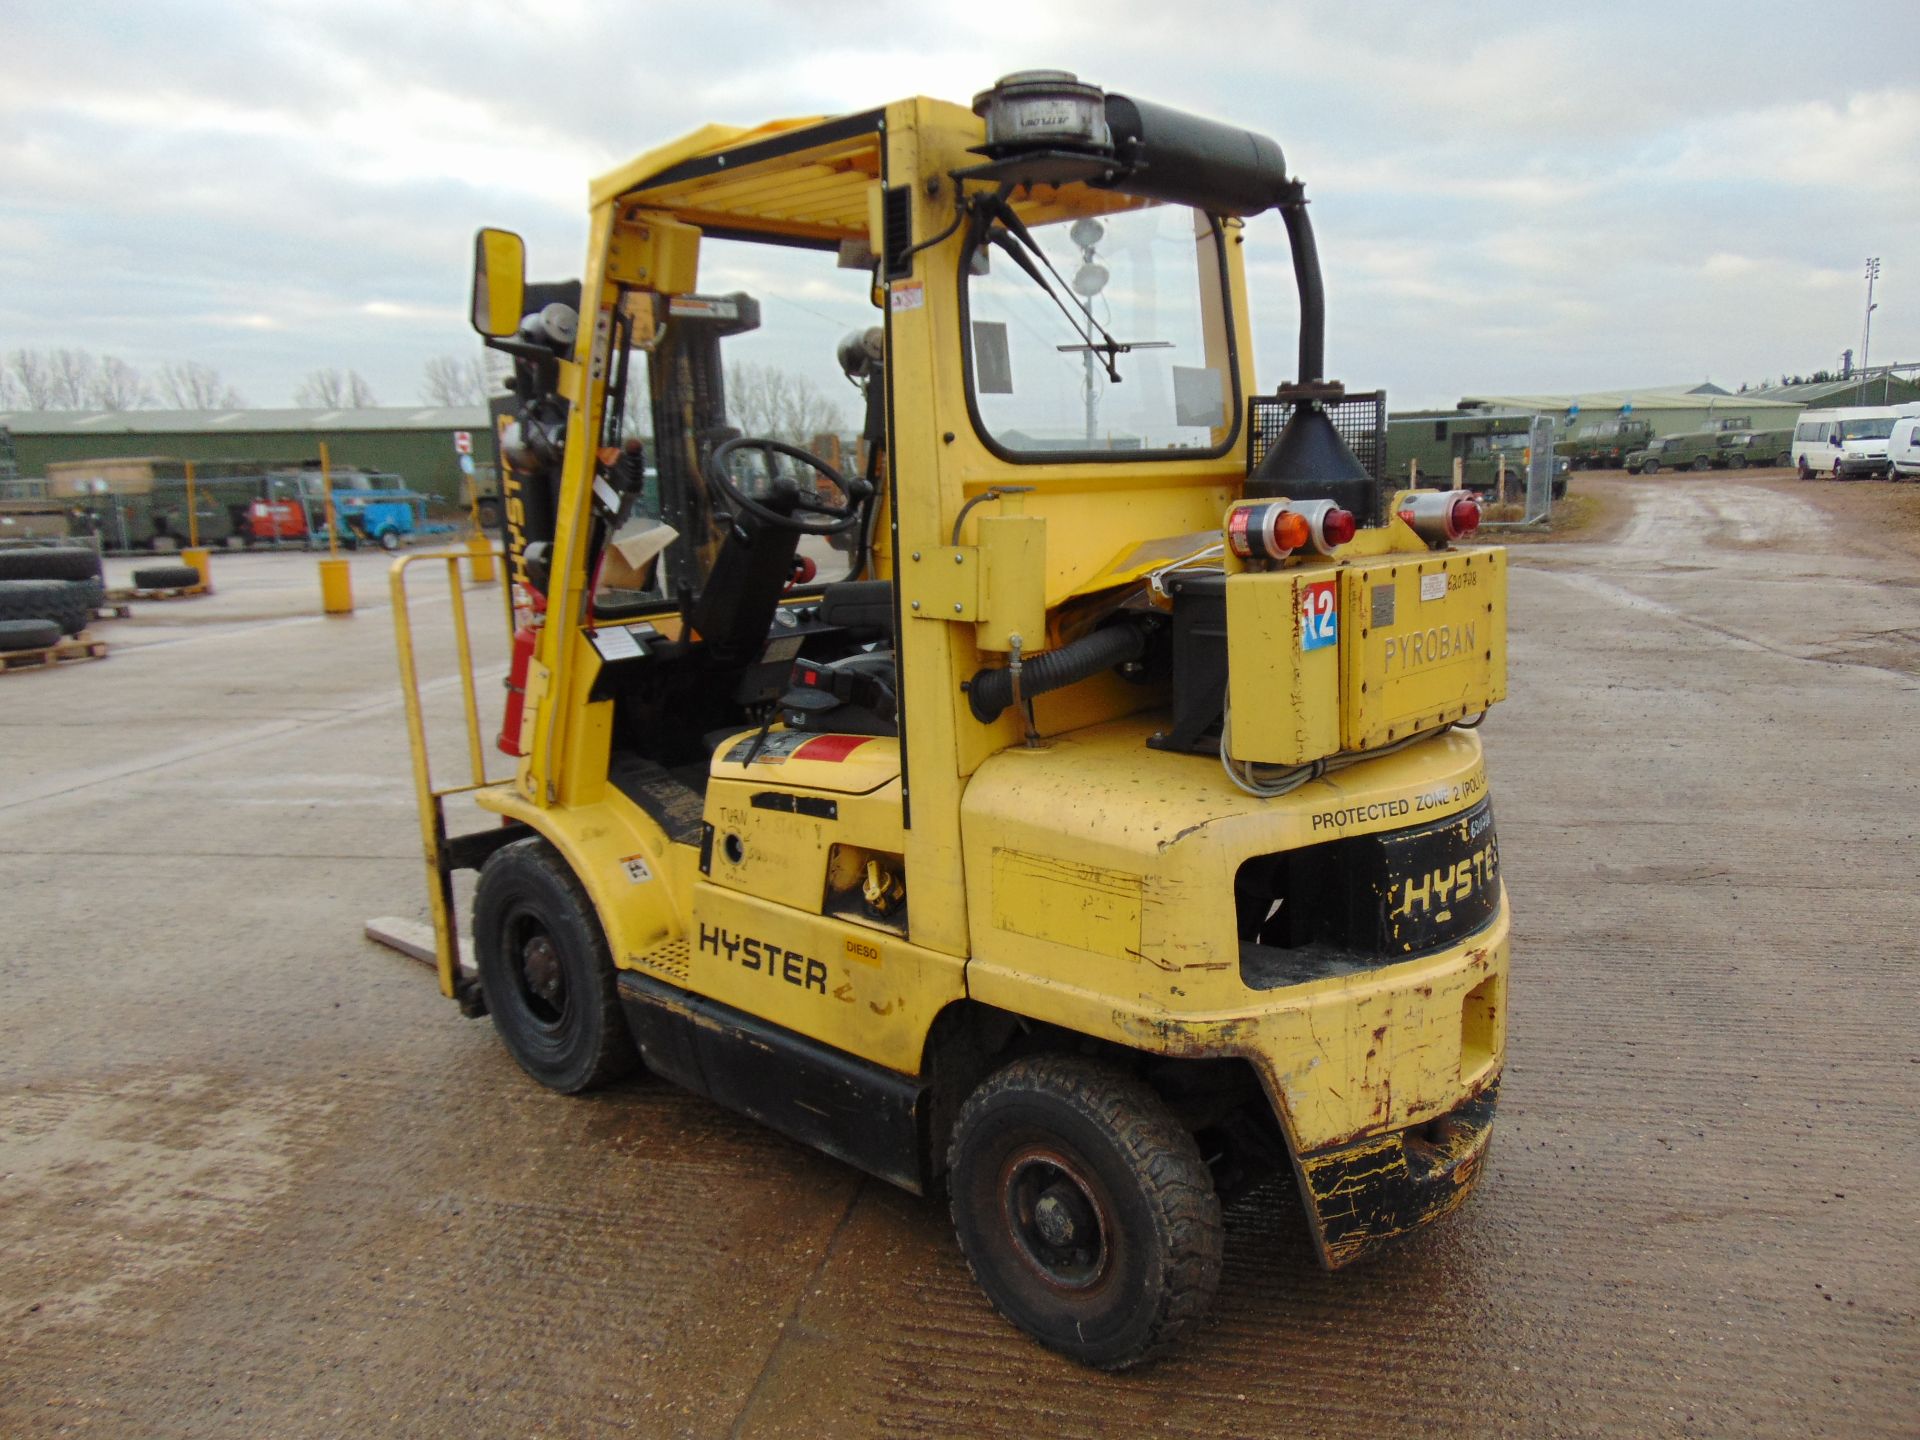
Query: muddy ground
(258, 1179)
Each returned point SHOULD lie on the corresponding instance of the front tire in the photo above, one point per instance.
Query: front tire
(1084, 1209)
(546, 971)
(1651, 467)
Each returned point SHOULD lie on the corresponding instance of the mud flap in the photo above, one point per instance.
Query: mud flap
(1361, 1196)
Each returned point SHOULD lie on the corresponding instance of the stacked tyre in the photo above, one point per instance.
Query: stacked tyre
(46, 591)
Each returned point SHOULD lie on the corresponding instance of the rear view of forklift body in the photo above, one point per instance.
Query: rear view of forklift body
(1103, 831)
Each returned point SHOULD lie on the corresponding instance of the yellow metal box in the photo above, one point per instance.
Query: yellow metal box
(1425, 643)
(1283, 666)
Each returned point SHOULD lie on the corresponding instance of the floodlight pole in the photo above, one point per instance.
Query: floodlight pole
(1866, 335)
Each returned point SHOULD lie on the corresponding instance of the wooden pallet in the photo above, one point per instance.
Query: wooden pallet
(113, 612)
(169, 592)
(81, 647)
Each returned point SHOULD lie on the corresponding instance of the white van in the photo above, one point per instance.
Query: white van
(1844, 443)
(1903, 445)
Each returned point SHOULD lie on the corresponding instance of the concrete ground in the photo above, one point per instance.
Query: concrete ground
(258, 1179)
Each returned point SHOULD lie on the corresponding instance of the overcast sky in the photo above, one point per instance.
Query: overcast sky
(1509, 198)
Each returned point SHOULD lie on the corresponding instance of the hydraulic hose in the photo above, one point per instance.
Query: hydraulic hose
(991, 691)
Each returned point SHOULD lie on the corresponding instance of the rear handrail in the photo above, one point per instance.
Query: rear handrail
(428, 799)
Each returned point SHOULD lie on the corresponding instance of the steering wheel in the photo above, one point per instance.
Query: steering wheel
(832, 519)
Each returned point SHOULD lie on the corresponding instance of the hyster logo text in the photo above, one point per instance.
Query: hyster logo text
(788, 965)
(1437, 890)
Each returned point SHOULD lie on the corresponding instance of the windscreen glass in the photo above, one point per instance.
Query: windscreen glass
(1866, 429)
(1102, 337)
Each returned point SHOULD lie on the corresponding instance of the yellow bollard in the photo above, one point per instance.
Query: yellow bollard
(480, 557)
(197, 557)
(336, 586)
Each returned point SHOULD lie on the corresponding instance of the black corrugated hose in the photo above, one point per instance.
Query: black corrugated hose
(991, 691)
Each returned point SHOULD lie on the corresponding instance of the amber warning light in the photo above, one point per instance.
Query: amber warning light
(1274, 530)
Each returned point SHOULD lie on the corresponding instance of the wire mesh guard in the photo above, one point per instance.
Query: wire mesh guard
(1360, 420)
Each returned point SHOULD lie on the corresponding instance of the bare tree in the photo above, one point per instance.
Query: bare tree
(189, 385)
(71, 376)
(118, 386)
(767, 401)
(332, 389)
(9, 389)
(449, 380)
(32, 379)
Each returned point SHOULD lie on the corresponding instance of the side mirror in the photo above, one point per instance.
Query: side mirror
(499, 282)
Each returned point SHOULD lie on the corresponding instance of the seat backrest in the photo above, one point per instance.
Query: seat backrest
(864, 607)
(734, 610)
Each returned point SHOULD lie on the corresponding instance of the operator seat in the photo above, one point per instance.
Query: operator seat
(733, 613)
(864, 608)
(858, 694)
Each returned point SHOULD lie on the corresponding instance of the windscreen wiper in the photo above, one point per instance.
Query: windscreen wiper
(1000, 238)
(1108, 348)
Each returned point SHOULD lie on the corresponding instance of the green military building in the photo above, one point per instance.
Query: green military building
(1878, 387)
(415, 442)
(1669, 409)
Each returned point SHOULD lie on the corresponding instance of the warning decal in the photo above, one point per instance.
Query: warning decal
(830, 747)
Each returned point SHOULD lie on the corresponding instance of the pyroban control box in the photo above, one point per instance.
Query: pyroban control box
(1329, 657)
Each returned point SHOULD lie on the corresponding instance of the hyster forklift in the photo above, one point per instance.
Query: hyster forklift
(1073, 804)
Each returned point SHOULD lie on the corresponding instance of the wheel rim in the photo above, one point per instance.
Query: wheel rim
(1057, 1219)
(539, 972)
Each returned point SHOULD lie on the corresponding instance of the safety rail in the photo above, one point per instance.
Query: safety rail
(443, 856)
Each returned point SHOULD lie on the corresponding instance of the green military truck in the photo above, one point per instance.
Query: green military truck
(1694, 450)
(1729, 442)
(1759, 449)
(1423, 444)
(1604, 444)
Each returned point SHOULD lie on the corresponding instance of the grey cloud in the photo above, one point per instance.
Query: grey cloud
(1506, 199)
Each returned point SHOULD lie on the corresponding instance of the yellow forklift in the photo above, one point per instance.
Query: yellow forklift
(1073, 807)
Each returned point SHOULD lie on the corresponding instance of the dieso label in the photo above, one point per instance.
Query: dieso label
(1319, 616)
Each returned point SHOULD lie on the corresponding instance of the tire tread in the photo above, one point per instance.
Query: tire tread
(1178, 1186)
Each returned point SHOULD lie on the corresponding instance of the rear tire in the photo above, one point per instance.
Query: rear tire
(28, 634)
(546, 971)
(49, 562)
(1700, 462)
(66, 603)
(1650, 467)
(1084, 1209)
(1785, 460)
(1736, 462)
(389, 540)
(165, 577)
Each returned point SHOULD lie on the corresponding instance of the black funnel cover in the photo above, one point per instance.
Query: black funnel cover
(1311, 462)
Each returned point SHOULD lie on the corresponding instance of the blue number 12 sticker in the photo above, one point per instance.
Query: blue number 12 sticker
(1319, 616)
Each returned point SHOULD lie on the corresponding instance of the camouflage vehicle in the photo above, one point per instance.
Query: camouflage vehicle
(1695, 450)
(1604, 444)
(1480, 440)
(1760, 449)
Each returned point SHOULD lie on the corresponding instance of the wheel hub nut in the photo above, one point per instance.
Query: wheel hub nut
(1053, 1217)
(541, 963)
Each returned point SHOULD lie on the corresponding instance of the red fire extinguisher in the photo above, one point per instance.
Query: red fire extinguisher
(524, 638)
